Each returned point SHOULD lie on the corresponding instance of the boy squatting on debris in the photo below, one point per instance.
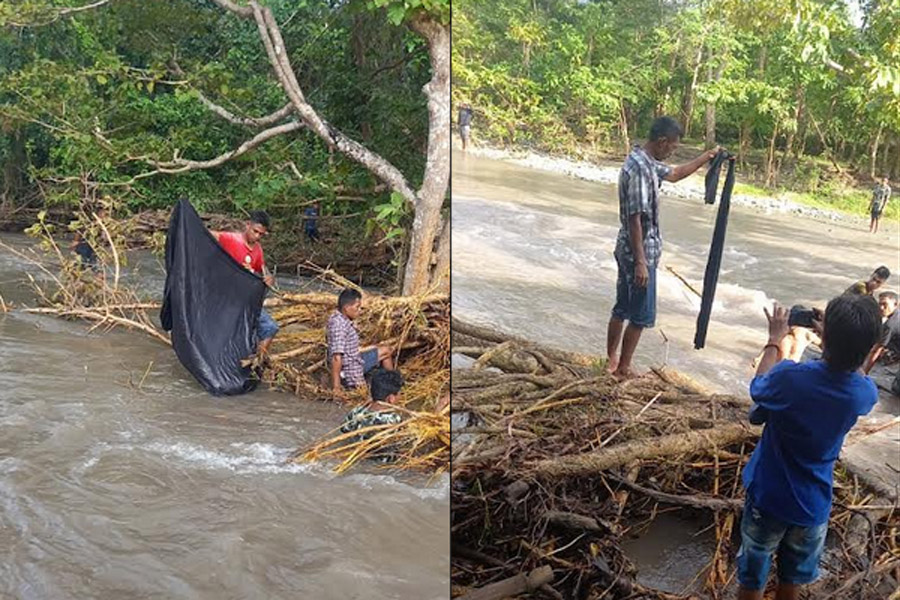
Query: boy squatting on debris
(349, 363)
(807, 409)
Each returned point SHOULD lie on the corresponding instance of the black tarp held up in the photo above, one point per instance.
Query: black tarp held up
(211, 306)
(711, 276)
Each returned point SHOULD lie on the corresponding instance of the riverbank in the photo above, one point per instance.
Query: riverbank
(745, 194)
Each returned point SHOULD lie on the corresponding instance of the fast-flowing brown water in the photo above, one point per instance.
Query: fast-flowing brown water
(113, 489)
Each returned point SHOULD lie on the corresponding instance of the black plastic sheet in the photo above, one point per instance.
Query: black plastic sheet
(211, 306)
(714, 262)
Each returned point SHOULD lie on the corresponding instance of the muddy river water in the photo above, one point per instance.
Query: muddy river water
(115, 489)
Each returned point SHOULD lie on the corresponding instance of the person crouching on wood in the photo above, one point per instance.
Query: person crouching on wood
(348, 362)
(245, 248)
(807, 409)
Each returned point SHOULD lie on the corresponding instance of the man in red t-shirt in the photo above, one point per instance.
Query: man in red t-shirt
(244, 247)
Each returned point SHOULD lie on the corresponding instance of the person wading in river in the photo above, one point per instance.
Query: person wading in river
(807, 409)
(639, 243)
(244, 247)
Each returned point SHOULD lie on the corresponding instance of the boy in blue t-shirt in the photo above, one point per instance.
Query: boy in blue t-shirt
(808, 408)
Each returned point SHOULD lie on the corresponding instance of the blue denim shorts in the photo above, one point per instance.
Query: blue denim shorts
(798, 550)
(635, 304)
(267, 327)
(370, 359)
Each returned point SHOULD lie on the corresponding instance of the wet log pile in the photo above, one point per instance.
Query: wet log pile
(555, 464)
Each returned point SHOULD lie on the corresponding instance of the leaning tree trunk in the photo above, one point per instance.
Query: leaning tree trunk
(427, 222)
(710, 114)
(689, 93)
(874, 155)
(426, 201)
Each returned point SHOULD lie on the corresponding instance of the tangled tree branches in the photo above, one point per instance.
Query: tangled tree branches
(557, 464)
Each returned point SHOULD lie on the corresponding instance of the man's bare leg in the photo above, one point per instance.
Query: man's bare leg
(264, 346)
(385, 357)
(876, 225)
(629, 344)
(745, 594)
(613, 340)
(787, 591)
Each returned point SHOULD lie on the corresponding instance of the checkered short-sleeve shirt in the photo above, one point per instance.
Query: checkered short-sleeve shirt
(639, 182)
(343, 339)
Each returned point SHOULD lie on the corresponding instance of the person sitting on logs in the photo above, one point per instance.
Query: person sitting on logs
(348, 362)
(244, 247)
(807, 409)
(889, 344)
(879, 276)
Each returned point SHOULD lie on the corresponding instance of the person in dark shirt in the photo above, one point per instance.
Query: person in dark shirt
(311, 222)
(889, 344)
(807, 409)
(465, 124)
(879, 276)
(86, 253)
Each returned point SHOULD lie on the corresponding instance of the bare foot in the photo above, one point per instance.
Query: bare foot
(625, 374)
(612, 363)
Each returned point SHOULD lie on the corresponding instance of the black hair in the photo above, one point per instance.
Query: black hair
(261, 217)
(348, 296)
(882, 272)
(852, 327)
(665, 127)
(384, 382)
(889, 295)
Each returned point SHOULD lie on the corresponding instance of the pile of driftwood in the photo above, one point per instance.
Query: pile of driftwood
(558, 463)
(418, 327)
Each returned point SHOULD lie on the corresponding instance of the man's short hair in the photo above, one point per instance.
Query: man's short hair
(665, 127)
(889, 295)
(852, 327)
(348, 296)
(384, 383)
(260, 217)
(882, 273)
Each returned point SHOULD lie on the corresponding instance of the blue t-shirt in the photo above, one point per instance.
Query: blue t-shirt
(808, 409)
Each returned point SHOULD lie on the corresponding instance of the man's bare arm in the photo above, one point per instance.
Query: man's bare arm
(336, 364)
(681, 171)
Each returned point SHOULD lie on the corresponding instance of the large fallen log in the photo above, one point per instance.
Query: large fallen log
(512, 586)
(704, 440)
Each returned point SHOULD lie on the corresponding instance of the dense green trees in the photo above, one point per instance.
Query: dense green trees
(235, 104)
(788, 78)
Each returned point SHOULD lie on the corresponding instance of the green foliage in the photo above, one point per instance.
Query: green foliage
(97, 96)
(561, 76)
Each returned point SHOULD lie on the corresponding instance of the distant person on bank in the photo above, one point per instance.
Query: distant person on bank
(465, 124)
(348, 362)
(807, 409)
(870, 286)
(639, 243)
(245, 248)
(880, 196)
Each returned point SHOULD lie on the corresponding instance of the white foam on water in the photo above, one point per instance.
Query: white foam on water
(249, 458)
(437, 490)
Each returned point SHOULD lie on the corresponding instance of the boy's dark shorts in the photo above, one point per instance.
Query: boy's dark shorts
(635, 304)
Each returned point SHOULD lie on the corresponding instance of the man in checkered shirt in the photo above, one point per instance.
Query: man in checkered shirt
(639, 244)
(348, 364)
